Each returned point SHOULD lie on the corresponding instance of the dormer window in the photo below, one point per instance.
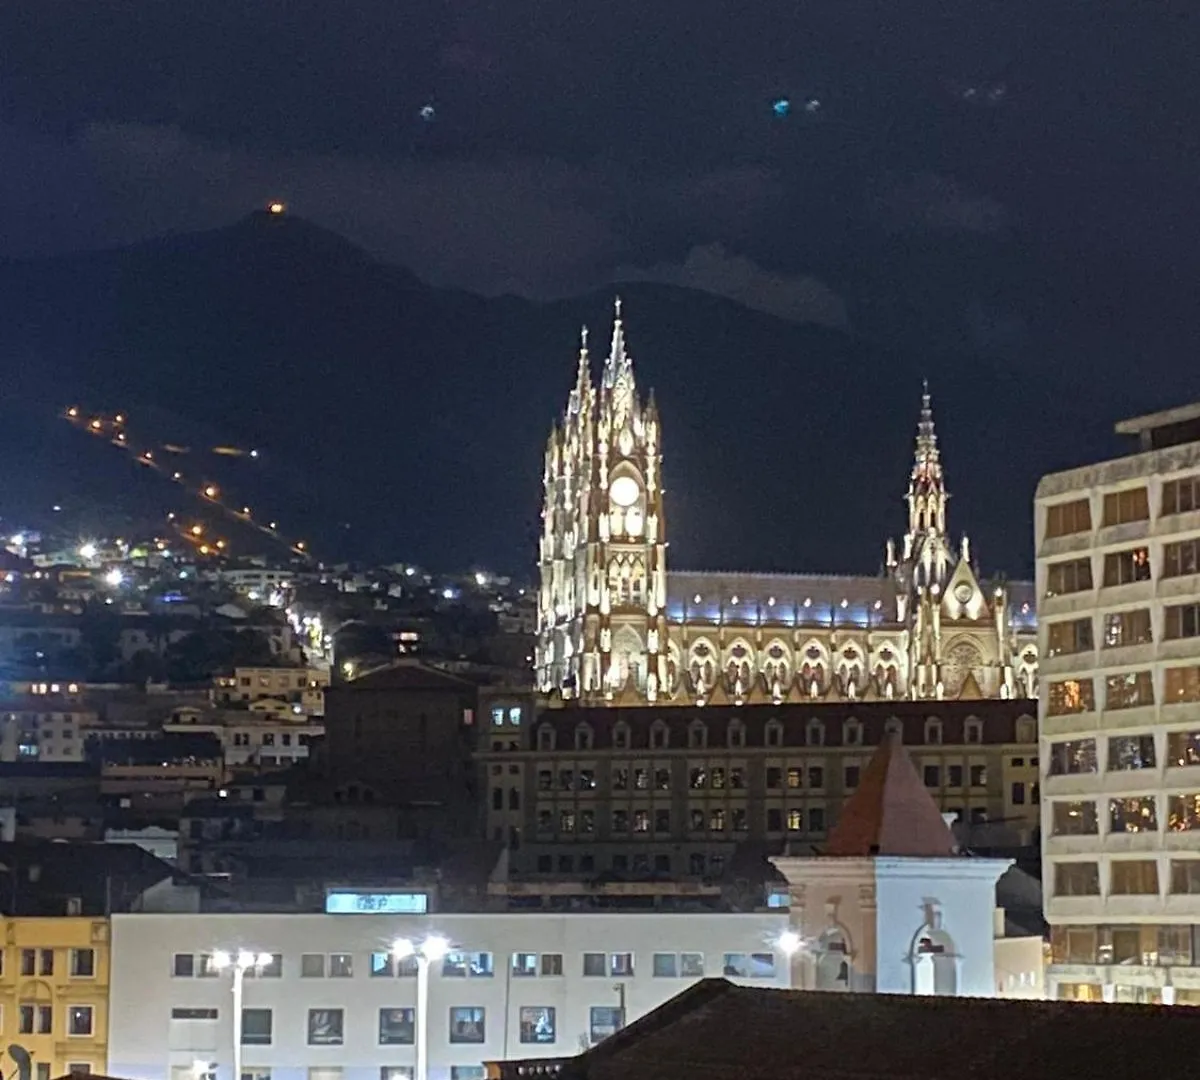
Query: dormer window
(814, 734)
(973, 730)
(852, 734)
(736, 734)
(933, 732)
(774, 733)
(545, 737)
(621, 736)
(583, 737)
(697, 735)
(659, 736)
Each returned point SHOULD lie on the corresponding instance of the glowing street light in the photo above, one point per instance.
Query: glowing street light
(238, 963)
(427, 952)
(114, 578)
(210, 492)
(790, 943)
(197, 530)
(87, 551)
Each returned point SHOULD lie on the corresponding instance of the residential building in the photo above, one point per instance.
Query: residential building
(1118, 571)
(267, 735)
(54, 991)
(616, 626)
(718, 1031)
(675, 791)
(332, 1001)
(302, 687)
(45, 726)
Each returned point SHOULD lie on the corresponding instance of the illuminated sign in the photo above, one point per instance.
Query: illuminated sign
(355, 903)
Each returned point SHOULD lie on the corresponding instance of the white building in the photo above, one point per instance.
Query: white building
(266, 734)
(890, 906)
(1118, 575)
(333, 1005)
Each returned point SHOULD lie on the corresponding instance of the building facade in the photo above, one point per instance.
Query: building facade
(614, 626)
(1118, 572)
(54, 992)
(676, 791)
(332, 1004)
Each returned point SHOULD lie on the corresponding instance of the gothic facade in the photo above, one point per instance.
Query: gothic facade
(615, 627)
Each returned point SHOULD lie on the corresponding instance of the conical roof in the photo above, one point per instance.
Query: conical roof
(891, 813)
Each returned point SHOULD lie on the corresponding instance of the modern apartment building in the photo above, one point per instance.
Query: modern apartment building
(1118, 574)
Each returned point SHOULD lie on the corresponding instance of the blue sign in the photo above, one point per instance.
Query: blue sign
(353, 903)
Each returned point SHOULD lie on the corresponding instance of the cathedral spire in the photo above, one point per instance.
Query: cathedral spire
(926, 486)
(583, 377)
(618, 363)
(927, 451)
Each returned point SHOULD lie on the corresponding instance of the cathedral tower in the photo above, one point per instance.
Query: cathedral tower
(602, 560)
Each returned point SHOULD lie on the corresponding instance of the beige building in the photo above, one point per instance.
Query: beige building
(302, 689)
(1118, 574)
(615, 627)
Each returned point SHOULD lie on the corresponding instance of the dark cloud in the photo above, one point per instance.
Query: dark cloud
(931, 201)
(714, 270)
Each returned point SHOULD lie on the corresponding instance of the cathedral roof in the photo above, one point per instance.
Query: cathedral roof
(793, 598)
(891, 812)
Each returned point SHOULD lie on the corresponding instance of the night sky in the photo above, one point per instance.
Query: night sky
(1014, 183)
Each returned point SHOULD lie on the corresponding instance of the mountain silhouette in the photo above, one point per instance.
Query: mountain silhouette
(396, 420)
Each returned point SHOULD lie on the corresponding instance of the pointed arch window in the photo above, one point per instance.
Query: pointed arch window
(546, 738)
(621, 736)
(697, 735)
(583, 737)
(774, 733)
(814, 734)
(933, 731)
(735, 735)
(660, 736)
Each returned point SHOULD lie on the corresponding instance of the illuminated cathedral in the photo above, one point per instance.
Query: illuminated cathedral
(614, 626)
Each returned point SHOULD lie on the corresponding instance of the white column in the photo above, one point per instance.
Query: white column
(422, 1069)
(1168, 995)
(239, 974)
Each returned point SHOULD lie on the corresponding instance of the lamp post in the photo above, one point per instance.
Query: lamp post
(239, 963)
(426, 952)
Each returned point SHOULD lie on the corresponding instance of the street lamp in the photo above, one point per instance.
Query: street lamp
(239, 963)
(427, 952)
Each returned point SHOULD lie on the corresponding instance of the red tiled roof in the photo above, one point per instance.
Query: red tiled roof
(891, 812)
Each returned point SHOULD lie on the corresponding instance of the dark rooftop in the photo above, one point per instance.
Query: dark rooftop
(717, 1030)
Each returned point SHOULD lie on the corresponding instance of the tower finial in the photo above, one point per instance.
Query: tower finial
(617, 307)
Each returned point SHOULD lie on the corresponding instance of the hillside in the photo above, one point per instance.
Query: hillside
(397, 420)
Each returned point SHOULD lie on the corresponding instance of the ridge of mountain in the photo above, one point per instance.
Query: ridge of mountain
(418, 415)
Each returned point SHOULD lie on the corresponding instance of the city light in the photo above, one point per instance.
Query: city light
(433, 948)
(197, 530)
(276, 207)
(114, 578)
(790, 942)
(87, 551)
(210, 492)
(73, 411)
(481, 579)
